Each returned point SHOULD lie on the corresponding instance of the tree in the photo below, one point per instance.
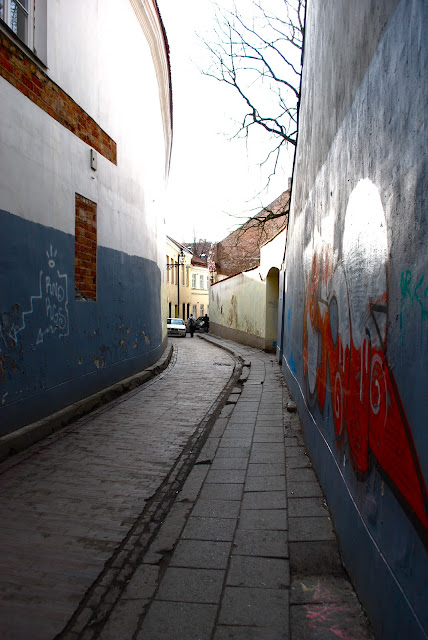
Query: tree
(260, 58)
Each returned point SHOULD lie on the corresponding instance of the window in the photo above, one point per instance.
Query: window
(16, 15)
(187, 277)
(201, 282)
(27, 19)
(193, 281)
(194, 311)
(167, 269)
(202, 309)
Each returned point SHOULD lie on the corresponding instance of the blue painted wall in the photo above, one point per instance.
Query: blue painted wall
(55, 349)
(355, 321)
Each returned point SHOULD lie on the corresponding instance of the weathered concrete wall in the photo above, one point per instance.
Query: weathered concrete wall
(238, 308)
(57, 347)
(354, 332)
(244, 307)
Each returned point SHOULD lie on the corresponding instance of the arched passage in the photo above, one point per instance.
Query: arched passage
(272, 294)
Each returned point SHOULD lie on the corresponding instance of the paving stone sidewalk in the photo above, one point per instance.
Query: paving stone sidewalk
(247, 551)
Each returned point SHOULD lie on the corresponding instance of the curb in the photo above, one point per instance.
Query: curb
(154, 534)
(17, 441)
(219, 342)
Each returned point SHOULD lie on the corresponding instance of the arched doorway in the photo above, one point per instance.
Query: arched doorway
(272, 294)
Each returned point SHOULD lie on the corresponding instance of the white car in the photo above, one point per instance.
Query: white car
(176, 327)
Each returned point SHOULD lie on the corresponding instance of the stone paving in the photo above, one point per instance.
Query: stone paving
(70, 504)
(234, 542)
(248, 551)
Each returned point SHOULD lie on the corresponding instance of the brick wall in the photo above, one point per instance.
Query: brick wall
(26, 76)
(85, 249)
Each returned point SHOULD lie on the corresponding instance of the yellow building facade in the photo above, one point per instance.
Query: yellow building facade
(200, 289)
(178, 280)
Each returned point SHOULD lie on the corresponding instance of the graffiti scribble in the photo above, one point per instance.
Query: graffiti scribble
(344, 350)
(48, 309)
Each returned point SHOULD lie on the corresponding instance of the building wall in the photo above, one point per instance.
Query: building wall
(238, 308)
(200, 295)
(178, 280)
(58, 343)
(244, 307)
(355, 321)
(241, 249)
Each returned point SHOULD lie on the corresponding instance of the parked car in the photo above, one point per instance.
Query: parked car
(176, 327)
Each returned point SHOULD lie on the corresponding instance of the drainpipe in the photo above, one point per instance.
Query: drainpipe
(181, 259)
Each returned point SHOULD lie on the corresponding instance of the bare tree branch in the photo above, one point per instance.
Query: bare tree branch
(260, 58)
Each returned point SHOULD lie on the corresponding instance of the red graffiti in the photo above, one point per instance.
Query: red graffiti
(327, 614)
(352, 363)
(334, 618)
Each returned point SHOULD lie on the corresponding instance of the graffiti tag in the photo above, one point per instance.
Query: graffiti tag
(48, 309)
(414, 291)
(344, 350)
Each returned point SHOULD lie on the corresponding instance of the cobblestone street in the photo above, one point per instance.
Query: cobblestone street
(70, 504)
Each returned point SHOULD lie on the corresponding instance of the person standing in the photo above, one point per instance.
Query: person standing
(206, 323)
(192, 325)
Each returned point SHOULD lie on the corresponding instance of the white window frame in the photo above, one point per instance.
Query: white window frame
(193, 280)
(7, 18)
(36, 36)
(201, 282)
(201, 307)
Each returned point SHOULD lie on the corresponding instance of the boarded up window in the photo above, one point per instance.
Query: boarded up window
(85, 249)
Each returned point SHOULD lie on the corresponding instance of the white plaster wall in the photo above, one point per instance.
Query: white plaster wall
(98, 54)
(272, 253)
(240, 303)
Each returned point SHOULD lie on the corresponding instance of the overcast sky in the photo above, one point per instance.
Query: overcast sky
(213, 178)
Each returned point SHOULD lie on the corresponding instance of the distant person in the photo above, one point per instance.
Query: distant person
(206, 323)
(191, 324)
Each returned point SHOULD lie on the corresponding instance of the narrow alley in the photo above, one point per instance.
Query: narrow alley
(213, 320)
(120, 526)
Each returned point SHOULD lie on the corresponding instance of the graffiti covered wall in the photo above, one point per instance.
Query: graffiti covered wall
(54, 348)
(84, 155)
(355, 319)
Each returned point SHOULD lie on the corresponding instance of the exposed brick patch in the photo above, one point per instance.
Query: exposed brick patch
(24, 74)
(85, 249)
